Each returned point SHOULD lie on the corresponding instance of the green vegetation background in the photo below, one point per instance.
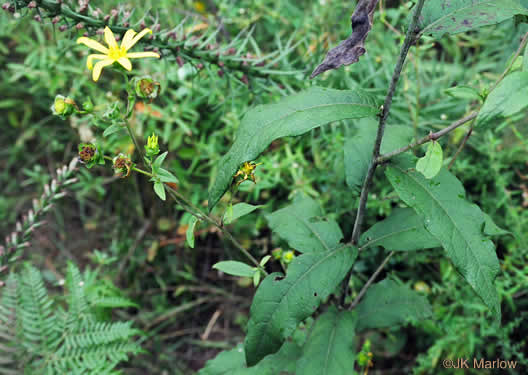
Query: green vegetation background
(177, 291)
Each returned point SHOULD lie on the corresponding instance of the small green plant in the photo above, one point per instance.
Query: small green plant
(47, 334)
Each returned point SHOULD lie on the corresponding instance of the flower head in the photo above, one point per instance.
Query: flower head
(245, 172)
(152, 147)
(114, 53)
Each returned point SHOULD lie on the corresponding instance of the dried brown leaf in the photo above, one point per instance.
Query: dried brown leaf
(349, 50)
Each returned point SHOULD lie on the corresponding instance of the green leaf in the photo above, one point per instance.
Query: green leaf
(281, 304)
(387, 304)
(159, 189)
(159, 160)
(457, 16)
(492, 229)
(292, 116)
(403, 230)
(301, 224)
(330, 349)
(165, 176)
(463, 92)
(233, 362)
(237, 211)
(454, 222)
(358, 148)
(232, 267)
(190, 232)
(112, 129)
(507, 99)
(431, 163)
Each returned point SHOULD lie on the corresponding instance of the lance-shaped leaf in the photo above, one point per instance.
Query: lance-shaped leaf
(281, 304)
(455, 223)
(441, 17)
(330, 349)
(508, 98)
(403, 230)
(349, 50)
(388, 303)
(301, 224)
(358, 148)
(233, 362)
(292, 116)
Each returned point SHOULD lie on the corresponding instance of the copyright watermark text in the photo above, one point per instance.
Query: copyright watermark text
(478, 363)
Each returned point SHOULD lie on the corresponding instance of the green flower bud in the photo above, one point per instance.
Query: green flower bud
(152, 147)
(288, 256)
(146, 88)
(63, 106)
(277, 253)
(88, 106)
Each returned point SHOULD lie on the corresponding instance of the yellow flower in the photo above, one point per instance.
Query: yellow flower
(114, 53)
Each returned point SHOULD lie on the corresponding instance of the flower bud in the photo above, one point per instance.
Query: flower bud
(152, 147)
(146, 88)
(288, 256)
(63, 106)
(277, 253)
(88, 105)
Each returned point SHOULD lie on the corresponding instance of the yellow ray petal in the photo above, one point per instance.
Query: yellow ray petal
(99, 67)
(125, 63)
(92, 44)
(136, 38)
(109, 38)
(140, 55)
(129, 35)
(91, 58)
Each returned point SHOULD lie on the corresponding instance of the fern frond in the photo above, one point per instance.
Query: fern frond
(8, 307)
(37, 318)
(77, 306)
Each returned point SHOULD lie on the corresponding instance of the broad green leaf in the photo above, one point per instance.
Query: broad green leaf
(330, 349)
(507, 99)
(232, 267)
(463, 92)
(302, 225)
(456, 224)
(403, 230)
(292, 116)
(280, 304)
(441, 17)
(233, 362)
(492, 229)
(358, 148)
(387, 303)
(159, 189)
(189, 234)
(239, 210)
(430, 164)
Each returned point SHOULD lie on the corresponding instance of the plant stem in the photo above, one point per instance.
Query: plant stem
(370, 281)
(461, 147)
(431, 137)
(524, 40)
(409, 39)
(136, 144)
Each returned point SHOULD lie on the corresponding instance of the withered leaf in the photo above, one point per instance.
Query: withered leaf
(349, 50)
